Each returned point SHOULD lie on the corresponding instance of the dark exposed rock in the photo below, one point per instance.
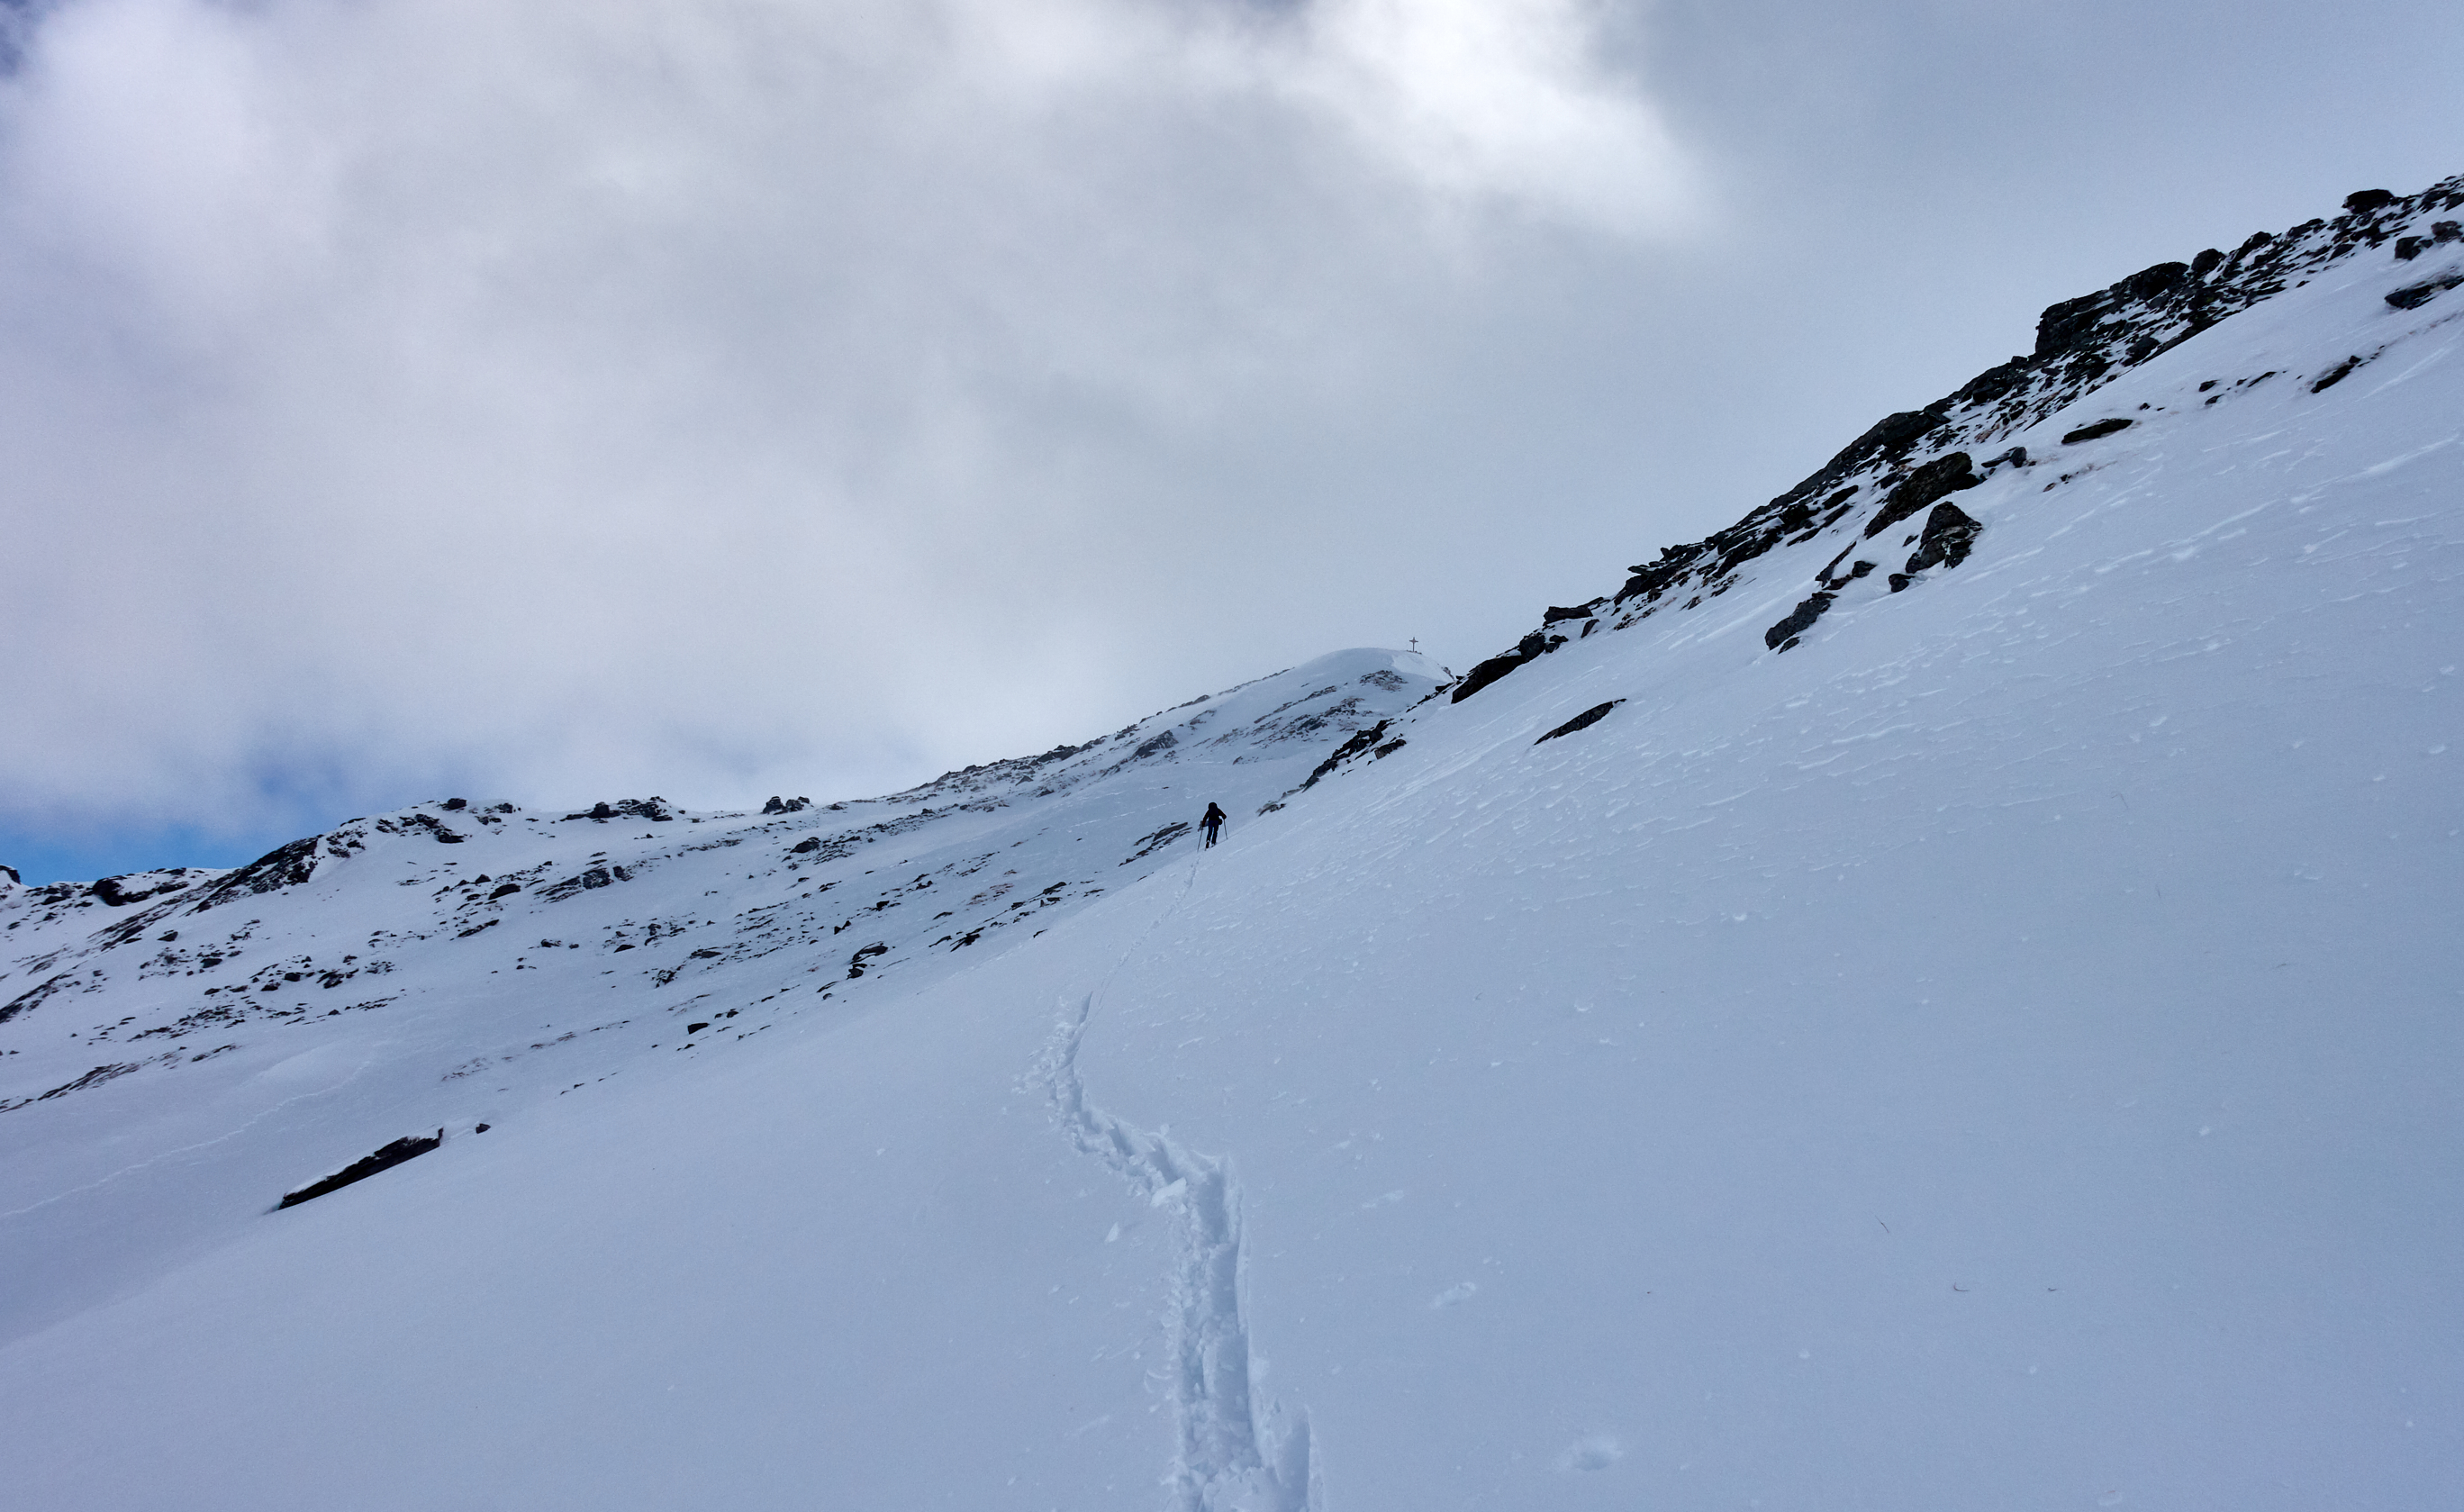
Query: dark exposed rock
(2080, 344)
(2413, 296)
(2097, 431)
(855, 962)
(410, 1146)
(696, 1028)
(805, 845)
(504, 890)
(1156, 745)
(1581, 611)
(1148, 844)
(119, 892)
(33, 996)
(285, 867)
(2335, 375)
(1530, 647)
(452, 804)
(653, 809)
(1943, 475)
(1950, 534)
(780, 805)
(2073, 323)
(94, 1078)
(1652, 578)
(2361, 202)
(2407, 248)
(1361, 740)
(1582, 721)
(1783, 635)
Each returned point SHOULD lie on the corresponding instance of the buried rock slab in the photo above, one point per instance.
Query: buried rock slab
(410, 1146)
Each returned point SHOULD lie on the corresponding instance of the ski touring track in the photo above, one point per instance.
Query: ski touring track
(1234, 1453)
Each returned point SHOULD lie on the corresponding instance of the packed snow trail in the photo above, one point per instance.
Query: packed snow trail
(1232, 1455)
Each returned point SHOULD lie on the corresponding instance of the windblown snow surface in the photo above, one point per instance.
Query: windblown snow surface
(1998, 1049)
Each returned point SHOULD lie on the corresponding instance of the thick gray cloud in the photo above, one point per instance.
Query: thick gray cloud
(567, 399)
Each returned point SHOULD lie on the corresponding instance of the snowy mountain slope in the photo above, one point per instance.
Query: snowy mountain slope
(1874, 483)
(160, 1030)
(1998, 1050)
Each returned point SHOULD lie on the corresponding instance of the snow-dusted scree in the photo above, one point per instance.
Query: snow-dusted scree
(1943, 994)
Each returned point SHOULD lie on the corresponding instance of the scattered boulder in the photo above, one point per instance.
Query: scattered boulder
(805, 846)
(504, 890)
(2096, 431)
(2361, 202)
(452, 804)
(1783, 635)
(1950, 533)
(1582, 721)
(410, 1146)
(779, 805)
(2335, 375)
(2413, 297)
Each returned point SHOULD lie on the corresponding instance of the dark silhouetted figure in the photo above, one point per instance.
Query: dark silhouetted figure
(1212, 823)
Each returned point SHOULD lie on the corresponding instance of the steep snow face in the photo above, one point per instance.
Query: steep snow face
(1994, 1050)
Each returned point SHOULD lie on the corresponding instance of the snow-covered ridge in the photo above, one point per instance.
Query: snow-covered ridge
(393, 906)
(2082, 345)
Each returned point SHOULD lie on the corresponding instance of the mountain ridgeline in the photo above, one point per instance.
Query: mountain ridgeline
(1874, 482)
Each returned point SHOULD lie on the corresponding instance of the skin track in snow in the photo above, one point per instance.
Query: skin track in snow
(1233, 1454)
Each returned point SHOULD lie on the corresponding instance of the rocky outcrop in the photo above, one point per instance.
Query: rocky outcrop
(1530, 647)
(1582, 721)
(1950, 534)
(1943, 475)
(287, 866)
(410, 1147)
(1783, 635)
(655, 810)
(2082, 345)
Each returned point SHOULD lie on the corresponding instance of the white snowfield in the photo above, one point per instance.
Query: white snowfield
(2002, 1051)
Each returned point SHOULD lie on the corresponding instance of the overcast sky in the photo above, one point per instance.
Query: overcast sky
(563, 400)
